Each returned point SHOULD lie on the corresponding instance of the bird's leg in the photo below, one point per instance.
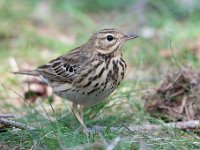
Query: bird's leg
(81, 112)
(78, 115)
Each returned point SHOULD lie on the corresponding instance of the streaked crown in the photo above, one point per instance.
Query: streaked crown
(110, 40)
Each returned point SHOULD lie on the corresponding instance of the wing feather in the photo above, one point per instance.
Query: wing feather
(64, 68)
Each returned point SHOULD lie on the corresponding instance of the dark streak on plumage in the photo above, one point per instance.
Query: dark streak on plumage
(89, 71)
(86, 85)
(123, 65)
(98, 75)
(65, 90)
(57, 70)
(67, 67)
(44, 66)
(123, 61)
(92, 91)
(123, 69)
(122, 74)
(56, 64)
(96, 84)
(71, 69)
(115, 71)
(107, 79)
(107, 64)
(120, 63)
(60, 72)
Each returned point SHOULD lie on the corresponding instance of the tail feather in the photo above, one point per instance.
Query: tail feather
(28, 72)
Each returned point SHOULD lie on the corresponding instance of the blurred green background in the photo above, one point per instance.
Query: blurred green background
(32, 32)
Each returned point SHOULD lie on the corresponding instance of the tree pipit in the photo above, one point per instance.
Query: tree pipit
(87, 74)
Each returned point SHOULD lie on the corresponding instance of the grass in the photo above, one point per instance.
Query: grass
(34, 39)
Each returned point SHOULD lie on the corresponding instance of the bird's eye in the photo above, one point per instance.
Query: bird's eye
(109, 37)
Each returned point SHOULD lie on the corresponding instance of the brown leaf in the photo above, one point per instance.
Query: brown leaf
(194, 47)
(165, 53)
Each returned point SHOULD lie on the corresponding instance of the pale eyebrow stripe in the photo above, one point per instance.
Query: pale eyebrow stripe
(109, 31)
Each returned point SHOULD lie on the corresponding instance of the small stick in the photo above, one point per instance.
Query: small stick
(182, 125)
(95, 145)
(15, 124)
(7, 116)
(113, 144)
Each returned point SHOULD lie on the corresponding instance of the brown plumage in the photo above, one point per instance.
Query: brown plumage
(90, 73)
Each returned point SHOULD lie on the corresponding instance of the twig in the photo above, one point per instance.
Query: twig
(182, 125)
(95, 145)
(15, 124)
(113, 144)
(7, 116)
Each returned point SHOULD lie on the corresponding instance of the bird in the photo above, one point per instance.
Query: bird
(88, 74)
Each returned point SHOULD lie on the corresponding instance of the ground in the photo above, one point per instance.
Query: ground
(34, 32)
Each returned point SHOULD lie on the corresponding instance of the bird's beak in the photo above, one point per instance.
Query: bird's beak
(130, 36)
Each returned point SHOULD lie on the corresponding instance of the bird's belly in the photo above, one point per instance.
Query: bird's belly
(97, 86)
(85, 99)
(87, 96)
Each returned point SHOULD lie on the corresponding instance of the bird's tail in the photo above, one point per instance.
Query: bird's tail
(28, 72)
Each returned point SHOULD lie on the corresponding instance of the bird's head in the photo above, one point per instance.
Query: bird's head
(109, 41)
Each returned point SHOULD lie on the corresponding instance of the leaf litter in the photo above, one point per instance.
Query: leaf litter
(177, 97)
